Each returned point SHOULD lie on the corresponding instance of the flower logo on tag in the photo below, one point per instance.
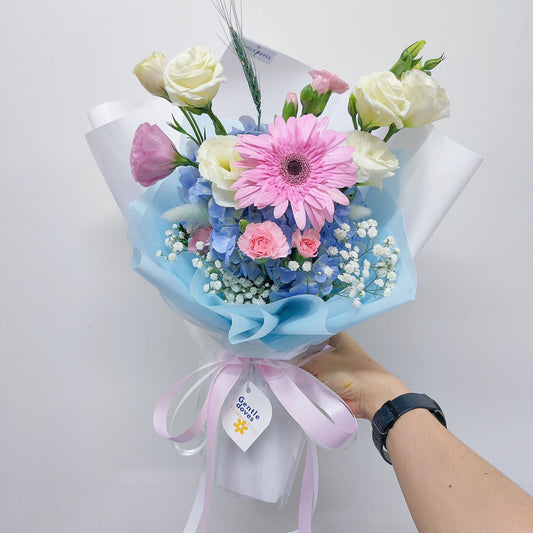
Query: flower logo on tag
(240, 426)
(246, 415)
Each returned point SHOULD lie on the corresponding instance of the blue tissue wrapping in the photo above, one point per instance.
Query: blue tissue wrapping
(277, 330)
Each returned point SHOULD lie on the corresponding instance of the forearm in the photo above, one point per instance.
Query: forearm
(448, 487)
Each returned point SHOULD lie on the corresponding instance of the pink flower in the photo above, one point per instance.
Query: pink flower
(152, 156)
(263, 240)
(324, 81)
(292, 98)
(308, 243)
(290, 108)
(299, 162)
(201, 235)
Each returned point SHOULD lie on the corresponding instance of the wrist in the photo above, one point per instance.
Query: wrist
(385, 419)
(387, 389)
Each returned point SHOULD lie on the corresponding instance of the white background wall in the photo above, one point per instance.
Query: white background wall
(88, 346)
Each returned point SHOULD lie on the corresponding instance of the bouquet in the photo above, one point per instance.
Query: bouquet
(270, 234)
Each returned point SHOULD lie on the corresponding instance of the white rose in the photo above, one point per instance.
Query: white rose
(150, 74)
(216, 163)
(381, 100)
(373, 158)
(193, 77)
(428, 101)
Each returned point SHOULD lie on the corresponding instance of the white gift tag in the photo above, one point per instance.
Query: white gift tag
(247, 415)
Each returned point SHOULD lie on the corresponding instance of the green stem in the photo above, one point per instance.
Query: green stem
(392, 130)
(219, 128)
(194, 125)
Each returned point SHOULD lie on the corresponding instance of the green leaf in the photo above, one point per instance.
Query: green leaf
(242, 225)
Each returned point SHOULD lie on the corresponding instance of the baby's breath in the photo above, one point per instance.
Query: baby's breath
(353, 265)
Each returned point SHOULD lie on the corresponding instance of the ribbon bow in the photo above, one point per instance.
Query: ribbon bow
(322, 415)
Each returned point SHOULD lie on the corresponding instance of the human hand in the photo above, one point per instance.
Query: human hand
(350, 372)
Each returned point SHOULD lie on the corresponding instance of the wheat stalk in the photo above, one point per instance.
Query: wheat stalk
(229, 15)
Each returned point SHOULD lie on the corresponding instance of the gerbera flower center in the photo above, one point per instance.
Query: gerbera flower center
(295, 169)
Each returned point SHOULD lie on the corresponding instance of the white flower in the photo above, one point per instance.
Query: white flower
(150, 73)
(428, 101)
(306, 267)
(339, 233)
(374, 160)
(216, 163)
(372, 232)
(193, 77)
(380, 100)
(293, 265)
(377, 250)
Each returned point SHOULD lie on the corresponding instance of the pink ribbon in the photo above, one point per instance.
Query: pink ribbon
(322, 415)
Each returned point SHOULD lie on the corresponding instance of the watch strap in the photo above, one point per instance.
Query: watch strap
(387, 415)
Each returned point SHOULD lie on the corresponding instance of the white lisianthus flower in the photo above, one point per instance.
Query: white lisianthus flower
(428, 101)
(373, 158)
(216, 163)
(193, 77)
(380, 100)
(150, 73)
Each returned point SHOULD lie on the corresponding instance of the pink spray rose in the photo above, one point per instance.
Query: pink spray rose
(307, 243)
(292, 98)
(263, 240)
(152, 156)
(324, 81)
(200, 235)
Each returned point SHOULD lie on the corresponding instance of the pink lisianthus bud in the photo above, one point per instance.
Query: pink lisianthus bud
(307, 243)
(201, 235)
(263, 240)
(325, 81)
(153, 155)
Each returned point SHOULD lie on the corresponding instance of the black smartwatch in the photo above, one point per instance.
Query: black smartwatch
(387, 415)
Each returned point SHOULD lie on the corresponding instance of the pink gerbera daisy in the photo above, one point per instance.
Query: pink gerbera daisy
(299, 162)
